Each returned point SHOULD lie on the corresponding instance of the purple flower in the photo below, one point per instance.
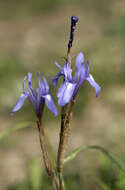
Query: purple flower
(71, 85)
(43, 95)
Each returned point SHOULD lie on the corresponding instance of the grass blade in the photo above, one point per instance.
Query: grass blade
(14, 128)
(103, 150)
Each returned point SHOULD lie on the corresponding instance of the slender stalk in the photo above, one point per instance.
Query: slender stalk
(68, 56)
(61, 148)
(64, 136)
(48, 166)
(65, 119)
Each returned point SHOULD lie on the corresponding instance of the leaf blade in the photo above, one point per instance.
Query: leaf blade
(96, 147)
(14, 128)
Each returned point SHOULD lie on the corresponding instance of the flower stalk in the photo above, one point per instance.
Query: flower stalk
(48, 166)
(65, 118)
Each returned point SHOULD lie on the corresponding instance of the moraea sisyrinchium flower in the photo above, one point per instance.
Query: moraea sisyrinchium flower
(71, 84)
(37, 101)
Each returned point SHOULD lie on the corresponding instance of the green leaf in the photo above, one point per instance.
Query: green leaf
(14, 128)
(103, 150)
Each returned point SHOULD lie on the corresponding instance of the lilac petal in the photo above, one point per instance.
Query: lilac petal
(27, 93)
(57, 64)
(30, 87)
(82, 75)
(87, 69)
(19, 103)
(61, 90)
(41, 85)
(38, 98)
(46, 85)
(79, 61)
(94, 84)
(67, 72)
(39, 104)
(50, 104)
(78, 66)
(65, 93)
(56, 78)
(82, 78)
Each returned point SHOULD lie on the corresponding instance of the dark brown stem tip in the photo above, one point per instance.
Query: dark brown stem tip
(74, 20)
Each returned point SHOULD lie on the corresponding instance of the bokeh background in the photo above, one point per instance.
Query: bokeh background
(33, 35)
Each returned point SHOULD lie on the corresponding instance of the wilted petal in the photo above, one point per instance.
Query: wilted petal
(19, 103)
(94, 84)
(65, 93)
(50, 104)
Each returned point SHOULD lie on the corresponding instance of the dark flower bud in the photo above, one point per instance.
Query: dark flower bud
(74, 20)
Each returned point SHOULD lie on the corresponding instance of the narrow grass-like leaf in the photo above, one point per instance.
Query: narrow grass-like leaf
(35, 175)
(103, 150)
(102, 184)
(14, 128)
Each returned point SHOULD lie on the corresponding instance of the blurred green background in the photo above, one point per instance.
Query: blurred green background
(33, 35)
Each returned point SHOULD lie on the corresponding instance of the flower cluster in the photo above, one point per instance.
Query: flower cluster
(43, 95)
(71, 84)
(67, 91)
